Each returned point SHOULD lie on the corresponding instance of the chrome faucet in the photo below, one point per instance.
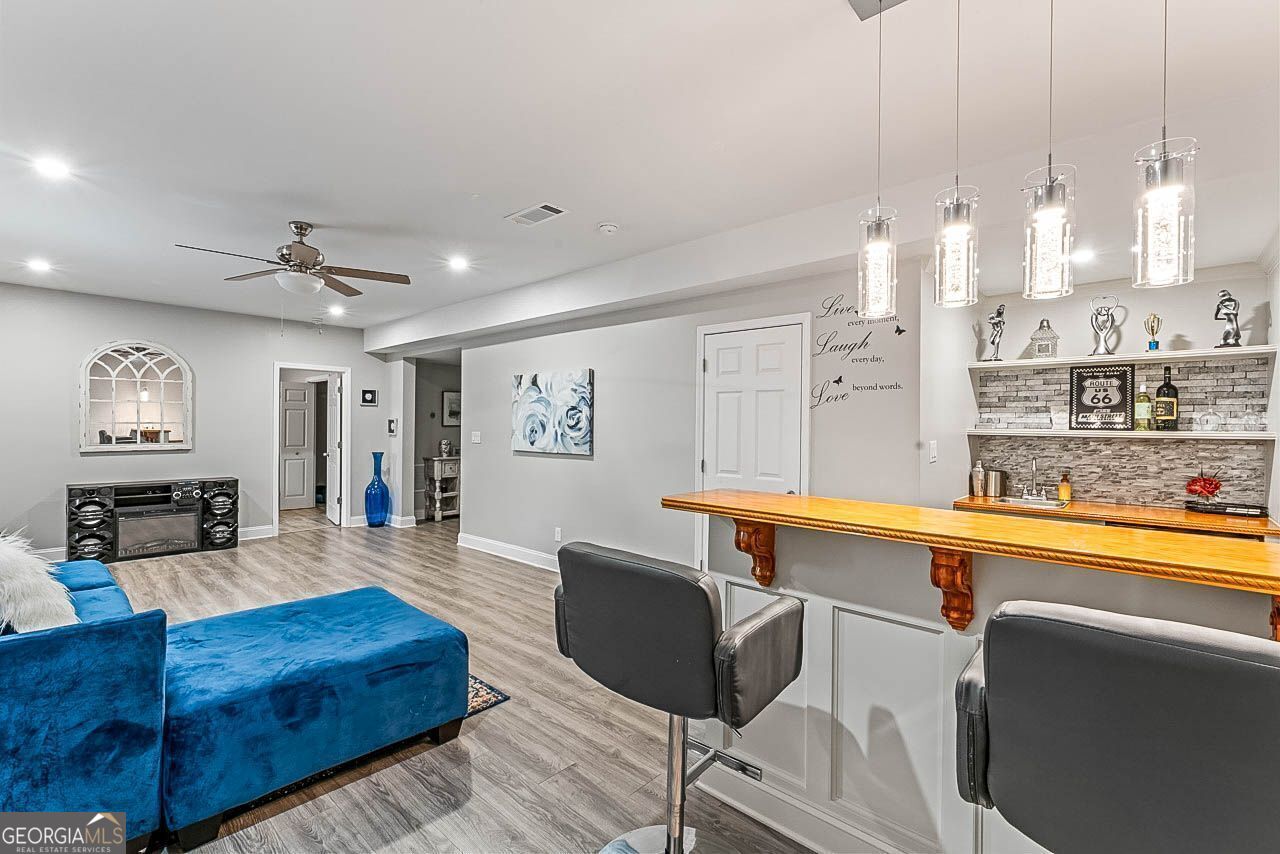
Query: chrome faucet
(1034, 490)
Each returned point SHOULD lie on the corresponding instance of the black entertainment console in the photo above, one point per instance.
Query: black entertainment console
(121, 521)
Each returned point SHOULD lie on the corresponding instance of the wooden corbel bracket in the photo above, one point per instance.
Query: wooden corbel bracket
(952, 572)
(756, 539)
(1275, 618)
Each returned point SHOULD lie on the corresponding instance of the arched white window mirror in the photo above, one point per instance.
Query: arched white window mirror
(135, 396)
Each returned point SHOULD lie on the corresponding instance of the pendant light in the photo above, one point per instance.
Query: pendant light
(955, 245)
(878, 255)
(1050, 229)
(1164, 212)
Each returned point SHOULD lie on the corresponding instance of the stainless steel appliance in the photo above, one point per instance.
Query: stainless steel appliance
(997, 483)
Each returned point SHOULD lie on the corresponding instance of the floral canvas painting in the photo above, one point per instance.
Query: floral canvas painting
(551, 412)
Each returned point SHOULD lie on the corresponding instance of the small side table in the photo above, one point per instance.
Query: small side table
(444, 485)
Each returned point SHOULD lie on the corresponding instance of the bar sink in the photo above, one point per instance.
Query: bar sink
(1041, 503)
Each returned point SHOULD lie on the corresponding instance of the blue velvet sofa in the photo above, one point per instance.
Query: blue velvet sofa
(176, 725)
(85, 705)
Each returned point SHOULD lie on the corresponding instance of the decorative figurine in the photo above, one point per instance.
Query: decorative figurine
(996, 319)
(1103, 321)
(1152, 324)
(446, 447)
(1229, 310)
(1044, 341)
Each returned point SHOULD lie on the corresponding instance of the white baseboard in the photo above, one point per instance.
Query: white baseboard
(357, 522)
(258, 532)
(789, 816)
(542, 560)
(56, 553)
(403, 521)
(420, 514)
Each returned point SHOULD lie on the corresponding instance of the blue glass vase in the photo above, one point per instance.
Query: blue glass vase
(377, 498)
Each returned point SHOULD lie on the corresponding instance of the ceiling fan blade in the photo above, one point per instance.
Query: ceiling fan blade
(302, 253)
(341, 287)
(244, 276)
(232, 254)
(352, 272)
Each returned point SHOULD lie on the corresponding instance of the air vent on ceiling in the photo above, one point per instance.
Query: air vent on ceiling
(867, 9)
(535, 215)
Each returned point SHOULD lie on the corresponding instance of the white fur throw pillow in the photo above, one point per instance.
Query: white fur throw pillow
(30, 597)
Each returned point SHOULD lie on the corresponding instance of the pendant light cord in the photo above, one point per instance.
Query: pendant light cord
(1050, 91)
(1164, 101)
(879, 94)
(957, 100)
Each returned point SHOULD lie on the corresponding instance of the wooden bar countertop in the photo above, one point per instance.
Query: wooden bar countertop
(1132, 515)
(1237, 564)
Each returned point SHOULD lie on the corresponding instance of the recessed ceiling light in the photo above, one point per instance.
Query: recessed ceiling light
(39, 265)
(1083, 256)
(457, 263)
(337, 310)
(53, 168)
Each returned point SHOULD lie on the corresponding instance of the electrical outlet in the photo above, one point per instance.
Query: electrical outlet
(475, 437)
(933, 450)
(557, 535)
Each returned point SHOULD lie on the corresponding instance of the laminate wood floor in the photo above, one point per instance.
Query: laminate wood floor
(564, 766)
(309, 519)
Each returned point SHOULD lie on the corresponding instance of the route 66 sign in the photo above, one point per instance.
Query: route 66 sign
(1102, 398)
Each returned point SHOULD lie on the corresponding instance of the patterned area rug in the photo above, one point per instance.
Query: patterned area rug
(481, 695)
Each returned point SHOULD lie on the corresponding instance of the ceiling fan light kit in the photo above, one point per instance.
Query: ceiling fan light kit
(300, 268)
(297, 282)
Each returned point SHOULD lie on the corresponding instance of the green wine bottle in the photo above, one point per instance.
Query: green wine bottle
(1142, 409)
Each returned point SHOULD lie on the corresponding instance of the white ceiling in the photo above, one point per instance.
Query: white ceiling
(407, 130)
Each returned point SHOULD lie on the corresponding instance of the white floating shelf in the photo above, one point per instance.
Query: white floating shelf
(1268, 350)
(1197, 435)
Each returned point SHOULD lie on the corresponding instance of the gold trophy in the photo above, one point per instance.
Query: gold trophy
(1152, 324)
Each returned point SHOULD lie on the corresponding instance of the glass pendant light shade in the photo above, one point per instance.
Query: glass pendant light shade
(955, 247)
(1164, 214)
(299, 283)
(878, 264)
(1046, 259)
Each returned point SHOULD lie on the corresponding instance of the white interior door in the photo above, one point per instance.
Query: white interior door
(333, 453)
(752, 408)
(297, 446)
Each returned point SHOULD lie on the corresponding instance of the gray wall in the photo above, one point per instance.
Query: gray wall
(645, 420)
(48, 333)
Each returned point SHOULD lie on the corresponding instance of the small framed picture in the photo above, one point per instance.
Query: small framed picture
(1102, 397)
(368, 397)
(451, 409)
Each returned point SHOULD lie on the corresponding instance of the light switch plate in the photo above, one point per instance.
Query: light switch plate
(475, 437)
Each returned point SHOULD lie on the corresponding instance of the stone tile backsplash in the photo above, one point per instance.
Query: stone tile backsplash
(1133, 470)
(1235, 389)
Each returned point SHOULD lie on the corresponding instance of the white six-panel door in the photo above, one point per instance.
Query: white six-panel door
(333, 453)
(297, 446)
(753, 403)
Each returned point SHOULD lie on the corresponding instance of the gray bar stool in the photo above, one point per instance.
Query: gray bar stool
(651, 631)
(1095, 732)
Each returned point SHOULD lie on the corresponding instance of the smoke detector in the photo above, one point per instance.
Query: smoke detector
(535, 215)
(607, 228)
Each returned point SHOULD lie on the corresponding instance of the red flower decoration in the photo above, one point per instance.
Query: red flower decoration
(1204, 486)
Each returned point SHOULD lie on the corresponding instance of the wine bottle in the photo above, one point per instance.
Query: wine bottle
(1142, 409)
(1165, 409)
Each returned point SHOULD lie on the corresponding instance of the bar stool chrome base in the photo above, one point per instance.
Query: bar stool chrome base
(648, 840)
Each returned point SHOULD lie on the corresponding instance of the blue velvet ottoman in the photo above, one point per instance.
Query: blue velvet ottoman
(257, 700)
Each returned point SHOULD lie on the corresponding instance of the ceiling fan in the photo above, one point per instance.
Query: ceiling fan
(300, 268)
